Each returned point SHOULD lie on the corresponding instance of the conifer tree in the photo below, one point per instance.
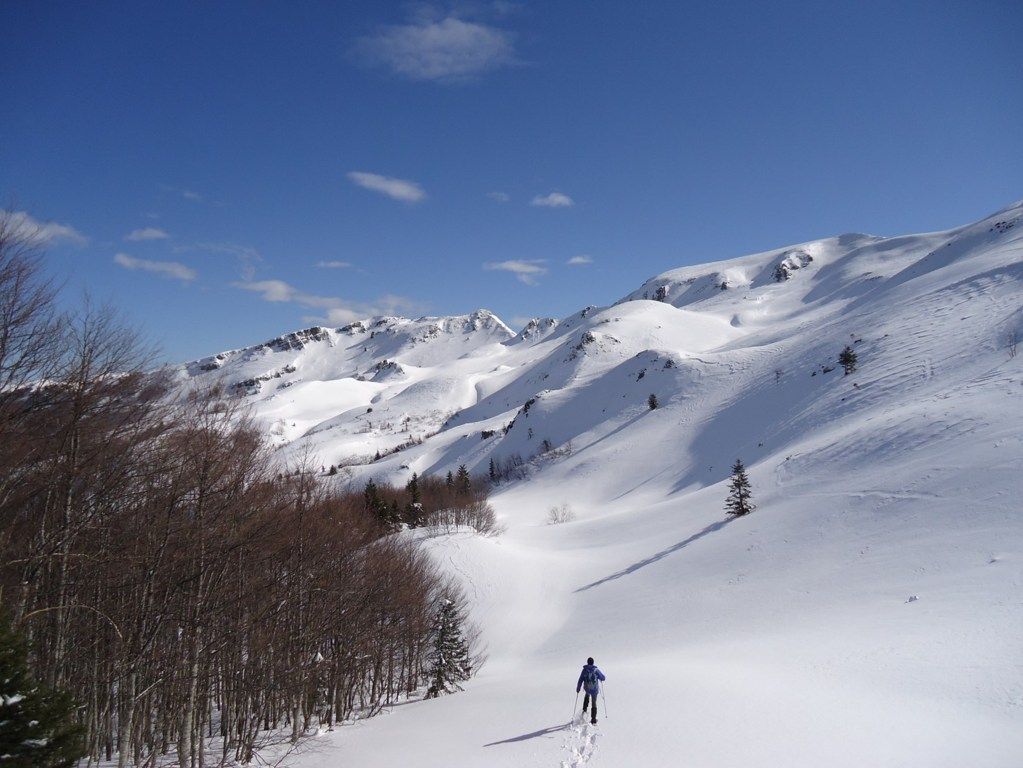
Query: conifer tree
(414, 510)
(493, 470)
(372, 496)
(463, 483)
(415, 497)
(378, 507)
(448, 660)
(450, 481)
(652, 401)
(740, 499)
(37, 728)
(847, 359)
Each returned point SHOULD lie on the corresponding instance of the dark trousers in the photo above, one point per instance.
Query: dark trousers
(586, 703)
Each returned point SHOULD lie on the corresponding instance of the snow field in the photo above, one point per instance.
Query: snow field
(868, 613)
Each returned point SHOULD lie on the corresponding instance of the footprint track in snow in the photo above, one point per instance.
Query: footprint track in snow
(581, 745)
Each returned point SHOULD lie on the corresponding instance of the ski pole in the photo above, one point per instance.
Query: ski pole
(602, 698)
(574, 707)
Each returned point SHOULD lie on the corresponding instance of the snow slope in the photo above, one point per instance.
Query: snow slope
(870, 612)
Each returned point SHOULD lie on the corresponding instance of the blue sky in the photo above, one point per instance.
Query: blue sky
(224, 172)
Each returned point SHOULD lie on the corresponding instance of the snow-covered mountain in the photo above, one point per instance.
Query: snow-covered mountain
(869, 612)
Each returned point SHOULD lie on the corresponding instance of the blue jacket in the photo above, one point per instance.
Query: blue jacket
(582, 678)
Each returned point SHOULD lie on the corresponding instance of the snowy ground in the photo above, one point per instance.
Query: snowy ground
(870, 612)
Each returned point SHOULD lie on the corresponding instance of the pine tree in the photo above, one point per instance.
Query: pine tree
(378, 507)
(414, 511)
(493, 470)
(463, 483)
(740, 499)
(448, 660)
(37, 728)
(372, 496)
(652, 401)
(847, 359)
(450, 481)
(415, 497)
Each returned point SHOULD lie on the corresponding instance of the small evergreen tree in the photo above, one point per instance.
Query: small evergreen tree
(740, 498)
(37, 728)
(493, 470)
(372, 496)
(463, 483)
(652, 401)
(333, 470)
(448, 661)
(414, 510)
(450, 481)
(387, 515)
(847, 359)
(415, 496)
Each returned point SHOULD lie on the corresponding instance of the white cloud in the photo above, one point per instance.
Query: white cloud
(577, 261)
(526, 271)
(187, 194)
(500, 197)
(172, 269)
(553, 200)
(449, 49)
(247, 256)
(42, 233)
(336, 311)
(147, 233)
(333, 264)
(397, 189)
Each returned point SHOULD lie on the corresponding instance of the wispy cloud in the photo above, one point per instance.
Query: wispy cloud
(578, 261)
(396, 189)
(247, 257)
(146, 233)
(335, 310)
(441, 48)
(172, 269)
(553, 200)
(525, 270)
(26, 227)
(186, 194)
(500, 197)
(333, 264)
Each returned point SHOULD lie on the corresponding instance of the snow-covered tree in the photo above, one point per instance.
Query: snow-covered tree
(847, 359)
(652, 401)
(37, 729)
(448, 661)
(740, 493)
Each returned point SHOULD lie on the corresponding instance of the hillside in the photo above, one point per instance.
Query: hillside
(868, 613)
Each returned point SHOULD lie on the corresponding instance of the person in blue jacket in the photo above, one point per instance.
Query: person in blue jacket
(589, 680)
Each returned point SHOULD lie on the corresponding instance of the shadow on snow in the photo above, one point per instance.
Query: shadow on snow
(528, 736)
(663, 553)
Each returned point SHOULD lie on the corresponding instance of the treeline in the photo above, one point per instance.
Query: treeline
(458, 500)
(193, 599)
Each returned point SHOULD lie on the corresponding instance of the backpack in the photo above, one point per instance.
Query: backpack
(590, 678)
